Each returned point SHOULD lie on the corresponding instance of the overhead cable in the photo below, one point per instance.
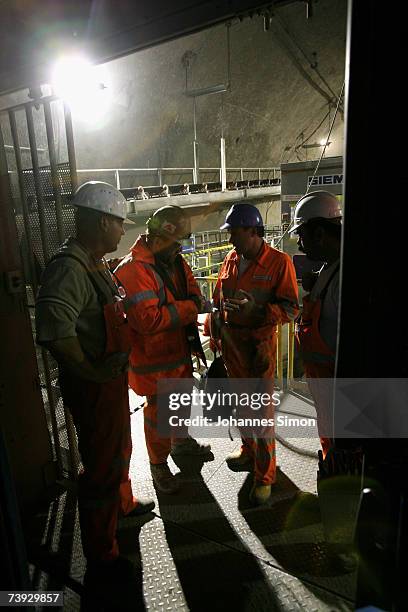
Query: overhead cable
(314, 131)
(327, 139)
(313, 65)
(294, 146)
(330, 97)
(321, 157)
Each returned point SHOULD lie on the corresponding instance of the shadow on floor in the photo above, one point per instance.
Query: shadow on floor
(289, 511)
(124, 594)
(49, 538)
(50, 543)
(216, 570)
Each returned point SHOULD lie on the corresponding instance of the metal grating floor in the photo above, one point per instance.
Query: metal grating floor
(206, 548)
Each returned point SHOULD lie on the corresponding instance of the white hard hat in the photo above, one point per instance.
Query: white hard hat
(101, 197)
(316, 205)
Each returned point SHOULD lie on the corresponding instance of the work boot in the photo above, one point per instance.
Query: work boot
(240, 462)
(143, 506)
(164, 480)
(260, 494)
(191, 447)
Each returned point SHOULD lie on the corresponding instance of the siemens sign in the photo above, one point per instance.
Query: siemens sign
(296, 177)
(325, 179)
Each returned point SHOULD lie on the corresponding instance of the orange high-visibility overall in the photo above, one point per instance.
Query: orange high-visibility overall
(319, 363)
(101, 415)
(250, 352)
(160, 348)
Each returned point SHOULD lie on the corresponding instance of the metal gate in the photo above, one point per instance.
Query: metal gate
(39, 147)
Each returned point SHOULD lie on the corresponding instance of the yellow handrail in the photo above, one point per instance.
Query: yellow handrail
(218, 263)
(210, 250)
(211, 277)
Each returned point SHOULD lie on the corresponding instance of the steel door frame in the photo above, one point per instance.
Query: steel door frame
(45, 362)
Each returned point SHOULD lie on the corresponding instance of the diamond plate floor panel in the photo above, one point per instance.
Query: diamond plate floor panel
(206, 548)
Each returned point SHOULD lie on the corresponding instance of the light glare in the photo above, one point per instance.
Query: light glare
(82, 86)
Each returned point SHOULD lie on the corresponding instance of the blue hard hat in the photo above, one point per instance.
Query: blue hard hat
(242, 214)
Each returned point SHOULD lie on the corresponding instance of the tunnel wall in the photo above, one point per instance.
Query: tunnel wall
(269, 110)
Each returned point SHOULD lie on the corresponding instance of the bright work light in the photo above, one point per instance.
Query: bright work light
(82, 86)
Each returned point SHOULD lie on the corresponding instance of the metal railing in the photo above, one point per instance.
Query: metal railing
(207, 253)
(43, 222)
(206, 256)
(159, 174)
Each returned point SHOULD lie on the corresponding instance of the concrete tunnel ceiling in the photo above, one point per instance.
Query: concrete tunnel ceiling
(32, 32)
(276, 99)
(283, 83)
(271, 109)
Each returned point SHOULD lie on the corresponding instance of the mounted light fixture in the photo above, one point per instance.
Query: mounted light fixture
(316, 145)
(82, 86)
(206, 91)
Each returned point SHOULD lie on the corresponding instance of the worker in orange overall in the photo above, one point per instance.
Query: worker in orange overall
(163, 303)
(256, 290)
(80, 319)
(317, 222)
